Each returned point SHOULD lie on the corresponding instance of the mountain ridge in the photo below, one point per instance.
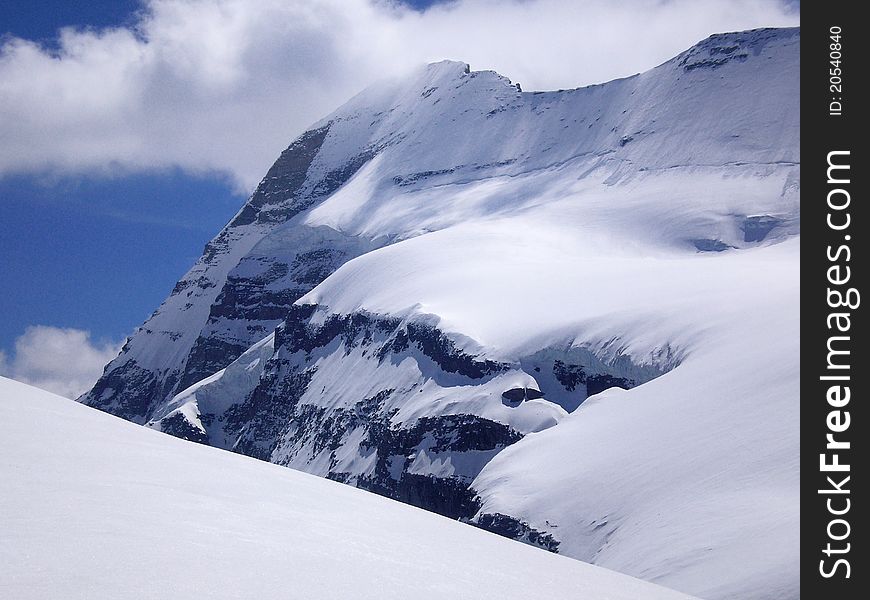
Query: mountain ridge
(445, 268)
(209, 276)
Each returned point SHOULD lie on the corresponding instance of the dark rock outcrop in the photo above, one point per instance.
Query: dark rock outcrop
(516, 529)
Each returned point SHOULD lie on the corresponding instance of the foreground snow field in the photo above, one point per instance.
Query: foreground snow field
(94, 507)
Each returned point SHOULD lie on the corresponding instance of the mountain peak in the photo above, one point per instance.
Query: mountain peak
(445, 265)
(449, 68)
(737, 46)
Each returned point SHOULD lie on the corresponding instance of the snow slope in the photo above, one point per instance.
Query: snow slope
(691, 474)
(94, 507)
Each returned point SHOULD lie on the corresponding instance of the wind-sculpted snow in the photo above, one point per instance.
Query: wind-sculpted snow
(690, 480)
(163, 518)
(428, 285)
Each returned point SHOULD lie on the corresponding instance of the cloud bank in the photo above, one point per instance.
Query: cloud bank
(224, 85)
(64, 361)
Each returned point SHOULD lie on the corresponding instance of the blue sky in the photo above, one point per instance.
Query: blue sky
(100, 254)
(87, 251)
(41, 20)
(130, 140)
(94, 252)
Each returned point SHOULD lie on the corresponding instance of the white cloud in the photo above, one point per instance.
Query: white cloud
(63, 361)
(224, 85)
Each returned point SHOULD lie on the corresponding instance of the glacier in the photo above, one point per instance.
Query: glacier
(569, 317)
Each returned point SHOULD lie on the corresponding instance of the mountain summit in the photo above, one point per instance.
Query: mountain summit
(565, 316)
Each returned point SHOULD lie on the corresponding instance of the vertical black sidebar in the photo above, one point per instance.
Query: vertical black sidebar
(833, 333)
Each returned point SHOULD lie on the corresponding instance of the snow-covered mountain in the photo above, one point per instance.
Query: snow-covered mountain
(428, 284)
(165, 518)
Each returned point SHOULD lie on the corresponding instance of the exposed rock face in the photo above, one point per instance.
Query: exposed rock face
(276, 198)
(514, 528)
(241, 287)
(387, 404)
(384, 403)
(756, 228)
(277, 421)
(180, 427)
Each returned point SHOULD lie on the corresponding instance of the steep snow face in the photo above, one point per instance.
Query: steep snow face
(430, 282)
(167, 518)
